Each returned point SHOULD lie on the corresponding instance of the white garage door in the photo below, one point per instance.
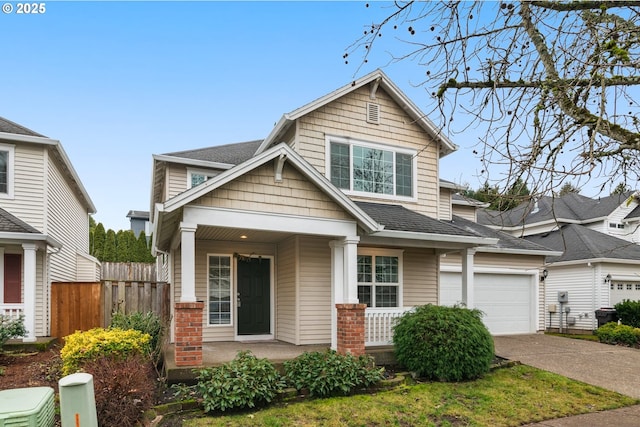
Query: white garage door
(505, 299)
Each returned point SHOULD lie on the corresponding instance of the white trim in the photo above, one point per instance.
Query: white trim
(232, 291)
(376, 146)
(421, 119)
(373, 252)
(191, 171)
(541, 252)
(272, 293)
(302, 165)
(30, 237)
(192, 162)
(433, 237)
(251, 220)
(10, 149)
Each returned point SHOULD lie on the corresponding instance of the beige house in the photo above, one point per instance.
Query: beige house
(44, 225)
(322, 233)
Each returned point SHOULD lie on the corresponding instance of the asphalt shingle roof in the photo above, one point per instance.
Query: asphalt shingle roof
(582, 243)
(570, 206)
(233, 154)
(8, 126)
(505, 241)
(399, 218)
(11, 224)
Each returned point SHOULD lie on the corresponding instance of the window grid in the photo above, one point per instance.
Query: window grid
(371, 170)
(4, 172)
(371, 290)
(219, 290)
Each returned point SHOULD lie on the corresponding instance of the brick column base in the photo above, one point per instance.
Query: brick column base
(188, 333)
(351, 328)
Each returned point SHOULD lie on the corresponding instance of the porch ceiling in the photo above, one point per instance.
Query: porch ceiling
(235, 235)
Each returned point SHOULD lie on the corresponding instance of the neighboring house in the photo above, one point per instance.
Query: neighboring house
(44, 225)
(600, 261)
(322, 233)
(139, 221)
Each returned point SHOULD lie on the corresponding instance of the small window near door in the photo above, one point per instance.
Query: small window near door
(379, 280)
(219, 290)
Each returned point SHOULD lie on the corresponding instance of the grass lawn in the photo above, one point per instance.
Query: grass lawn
(505, 397)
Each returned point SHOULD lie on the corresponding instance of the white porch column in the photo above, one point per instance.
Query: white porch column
(467, 277)
(29, 278)
(188, 262)
(344, 278)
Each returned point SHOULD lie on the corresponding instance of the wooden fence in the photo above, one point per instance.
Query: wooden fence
(86, 305)
(129, 271)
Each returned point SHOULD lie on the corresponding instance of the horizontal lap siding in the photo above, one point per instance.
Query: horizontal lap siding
(445, 208)
(68, 222)
(315, 291)
(484, 259)
(578, 281)
(420, 277)
(346, 117)
(257, 190)
(176, 176)
(28, 203)
(286, 292)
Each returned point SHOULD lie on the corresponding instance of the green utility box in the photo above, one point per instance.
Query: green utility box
(27, 407)
(77, 401)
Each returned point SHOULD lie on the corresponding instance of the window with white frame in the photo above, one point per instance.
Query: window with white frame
(380, 278)
(6, 170)
(197, 177)
(219, 289)
(363, 167)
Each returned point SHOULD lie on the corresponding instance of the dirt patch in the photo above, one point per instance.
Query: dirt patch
(35, 369)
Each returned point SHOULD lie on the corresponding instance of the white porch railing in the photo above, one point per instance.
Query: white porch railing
(378, 325)
(12, 310)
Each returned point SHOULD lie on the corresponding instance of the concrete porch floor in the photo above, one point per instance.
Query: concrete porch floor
(218, 353)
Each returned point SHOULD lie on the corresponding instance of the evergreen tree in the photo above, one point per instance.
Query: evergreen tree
(142, 250)
(109, 254)
(123, 251)
(568, 188)
(620, 188)
(99, 238)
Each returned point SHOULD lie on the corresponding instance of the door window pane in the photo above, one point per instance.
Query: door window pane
(219, 290)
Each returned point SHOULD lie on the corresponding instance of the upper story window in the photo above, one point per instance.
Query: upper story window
(197, 177)
(616, 225)
(7, 153)
(371, 169)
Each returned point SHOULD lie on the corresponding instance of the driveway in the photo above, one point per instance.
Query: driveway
(611, 367)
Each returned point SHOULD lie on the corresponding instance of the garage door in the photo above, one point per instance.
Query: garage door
(505, 299)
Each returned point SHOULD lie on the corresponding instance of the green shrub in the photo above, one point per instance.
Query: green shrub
(443, 343)
(124, 388)
(612, 333)
(11, 327)
(629, 312)
(148, 323)
(329, 373)
(244, 382)
(81, 347)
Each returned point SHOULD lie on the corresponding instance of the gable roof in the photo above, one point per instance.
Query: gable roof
(506, 242)
(11, 131)
(571, 207)
(378, 78)
(579, 243)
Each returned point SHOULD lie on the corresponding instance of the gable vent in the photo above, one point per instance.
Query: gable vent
(373, 113)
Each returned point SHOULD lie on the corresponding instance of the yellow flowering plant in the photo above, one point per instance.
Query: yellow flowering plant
(84, 346)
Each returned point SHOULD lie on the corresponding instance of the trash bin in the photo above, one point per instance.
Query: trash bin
(606, 315)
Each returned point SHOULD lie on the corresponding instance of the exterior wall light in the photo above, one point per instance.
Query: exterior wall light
(544, 275)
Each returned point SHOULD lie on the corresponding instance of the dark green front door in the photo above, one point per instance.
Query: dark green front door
(254, 296)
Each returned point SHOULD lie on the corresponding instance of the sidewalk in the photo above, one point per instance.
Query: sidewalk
(623, 417)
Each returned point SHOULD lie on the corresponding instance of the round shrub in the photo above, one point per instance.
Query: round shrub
(329, 373)
(443, 343)
(245, 382)
(612, 333)
(81, 347)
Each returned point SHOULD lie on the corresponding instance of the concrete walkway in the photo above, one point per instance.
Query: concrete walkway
(610, 367)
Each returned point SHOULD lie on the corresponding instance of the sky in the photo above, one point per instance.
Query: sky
(116, 82)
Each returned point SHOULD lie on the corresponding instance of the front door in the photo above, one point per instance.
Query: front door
(254, 296)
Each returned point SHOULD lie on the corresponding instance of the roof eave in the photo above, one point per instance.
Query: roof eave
(31, 237)
(192, 162)
(434, 237)
(594, 261)
(514, 251)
